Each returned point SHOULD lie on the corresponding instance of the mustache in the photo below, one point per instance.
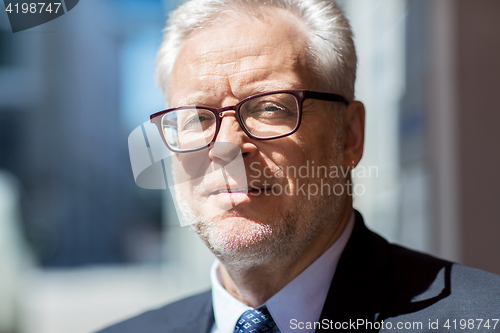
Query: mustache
(218, 186)
(213, 175)
(196, 170)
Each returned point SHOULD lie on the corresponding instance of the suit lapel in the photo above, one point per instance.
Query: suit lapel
(361, 285)
(201, 319)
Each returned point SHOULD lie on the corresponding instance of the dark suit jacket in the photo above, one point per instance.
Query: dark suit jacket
(375, 281)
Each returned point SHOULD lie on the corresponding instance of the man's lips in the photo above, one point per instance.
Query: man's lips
(231, 190)
(254, 190)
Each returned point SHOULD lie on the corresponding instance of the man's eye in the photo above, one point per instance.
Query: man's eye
(198, 121)
(270, 110)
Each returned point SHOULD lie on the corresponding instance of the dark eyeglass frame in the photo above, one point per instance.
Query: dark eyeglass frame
(300, 97)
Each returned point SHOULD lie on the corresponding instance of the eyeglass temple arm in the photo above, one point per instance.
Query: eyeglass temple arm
(327, 97)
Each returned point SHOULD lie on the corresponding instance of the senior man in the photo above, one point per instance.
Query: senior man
(273, 82)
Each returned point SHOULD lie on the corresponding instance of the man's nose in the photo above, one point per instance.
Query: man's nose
(230, 142)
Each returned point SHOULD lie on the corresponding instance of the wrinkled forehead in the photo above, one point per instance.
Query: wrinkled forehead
(240, 52)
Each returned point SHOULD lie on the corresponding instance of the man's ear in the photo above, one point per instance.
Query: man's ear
(354, 133)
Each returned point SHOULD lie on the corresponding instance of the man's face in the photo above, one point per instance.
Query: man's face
(219, 66)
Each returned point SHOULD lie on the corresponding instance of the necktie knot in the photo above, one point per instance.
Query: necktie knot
(255, 321)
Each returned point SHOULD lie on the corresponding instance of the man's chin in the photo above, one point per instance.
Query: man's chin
(237, 238)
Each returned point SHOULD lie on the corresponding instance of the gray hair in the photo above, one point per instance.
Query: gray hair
(331, 52)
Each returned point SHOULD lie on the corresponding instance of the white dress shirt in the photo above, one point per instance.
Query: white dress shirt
(302, 299)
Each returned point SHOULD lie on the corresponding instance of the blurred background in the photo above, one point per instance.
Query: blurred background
(81, 246)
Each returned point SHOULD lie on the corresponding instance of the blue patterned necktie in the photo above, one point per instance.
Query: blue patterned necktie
(255, 321)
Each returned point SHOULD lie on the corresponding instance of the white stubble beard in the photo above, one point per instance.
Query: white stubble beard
(282, 239)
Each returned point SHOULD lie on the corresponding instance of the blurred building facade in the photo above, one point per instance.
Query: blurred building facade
(63, 133)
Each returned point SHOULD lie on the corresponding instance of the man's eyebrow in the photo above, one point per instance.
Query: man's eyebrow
(191, 101)
(265, 89)
(198, 100)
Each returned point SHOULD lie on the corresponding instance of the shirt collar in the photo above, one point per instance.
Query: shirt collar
(227, 309)
(302, 299)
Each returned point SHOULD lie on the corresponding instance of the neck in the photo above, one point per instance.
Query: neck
(256, 284)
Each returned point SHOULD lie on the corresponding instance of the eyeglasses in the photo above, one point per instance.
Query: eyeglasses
(266, 116)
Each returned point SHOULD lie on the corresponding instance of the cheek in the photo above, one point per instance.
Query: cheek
(310, 163)
(294, 171)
